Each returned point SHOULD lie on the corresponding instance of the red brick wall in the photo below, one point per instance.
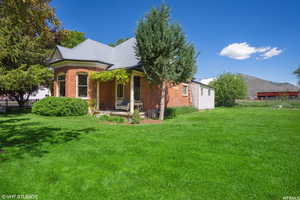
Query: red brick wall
(71, 80)
(107, 95)
(150, 93)
(175, 97)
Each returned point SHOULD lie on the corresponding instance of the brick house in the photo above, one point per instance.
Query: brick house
(72, 67)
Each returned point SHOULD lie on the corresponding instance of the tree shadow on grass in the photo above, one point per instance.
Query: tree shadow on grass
(18, 137)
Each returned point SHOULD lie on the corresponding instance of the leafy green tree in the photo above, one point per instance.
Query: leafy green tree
(20, 83)
(297, 73)
(228, 88)
(166, 56)
(113, 44)
(29, 30)
(72, 38)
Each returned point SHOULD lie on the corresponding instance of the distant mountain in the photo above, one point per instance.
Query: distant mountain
(260, 85)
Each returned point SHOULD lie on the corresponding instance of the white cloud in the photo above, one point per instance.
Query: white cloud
(241, 51)
(272, 52)
(263, 49)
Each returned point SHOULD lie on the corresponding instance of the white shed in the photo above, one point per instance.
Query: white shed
(203, 96)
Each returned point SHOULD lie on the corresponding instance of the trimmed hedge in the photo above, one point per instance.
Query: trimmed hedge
(60, 106)
(172, 112)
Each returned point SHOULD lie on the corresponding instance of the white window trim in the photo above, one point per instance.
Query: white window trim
(187, 90)
(58, 84)
(87, 95)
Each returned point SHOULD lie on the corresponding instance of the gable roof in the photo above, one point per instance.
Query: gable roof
(120, 56)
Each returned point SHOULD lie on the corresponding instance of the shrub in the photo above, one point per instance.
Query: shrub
(92, 105)
(115, 119)
(228, 88)
(172, 112)
(60, 106)
(136, 118)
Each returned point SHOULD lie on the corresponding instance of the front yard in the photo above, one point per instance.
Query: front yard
(226, 153)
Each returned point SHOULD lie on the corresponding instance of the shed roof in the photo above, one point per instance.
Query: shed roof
(198, 82)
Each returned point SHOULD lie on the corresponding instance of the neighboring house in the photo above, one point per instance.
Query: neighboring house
(72, 67)
(203, 96)
(40, 94)
(263, 89)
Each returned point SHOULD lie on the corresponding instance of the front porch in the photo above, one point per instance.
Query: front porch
(119, 99)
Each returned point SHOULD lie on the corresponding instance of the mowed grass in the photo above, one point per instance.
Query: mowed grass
(226, 153)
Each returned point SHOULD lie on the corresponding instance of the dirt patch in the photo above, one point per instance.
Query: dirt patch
(150, 121)
(145, 121)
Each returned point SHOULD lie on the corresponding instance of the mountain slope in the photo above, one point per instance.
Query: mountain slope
(260, 85)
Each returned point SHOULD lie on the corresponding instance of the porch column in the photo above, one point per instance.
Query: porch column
(98, 96)
(131, 93)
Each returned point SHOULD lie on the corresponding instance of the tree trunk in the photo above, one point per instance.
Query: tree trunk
(162, 101)
(21, 100)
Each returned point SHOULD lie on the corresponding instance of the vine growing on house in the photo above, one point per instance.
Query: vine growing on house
(120, 75)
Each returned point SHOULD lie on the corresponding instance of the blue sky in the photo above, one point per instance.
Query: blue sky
(250, 32)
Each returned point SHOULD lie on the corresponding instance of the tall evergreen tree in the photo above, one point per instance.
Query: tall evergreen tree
(29, 31)
(166, 56)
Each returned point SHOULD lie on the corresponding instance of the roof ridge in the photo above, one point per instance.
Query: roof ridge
(87, 40)
(126, 41)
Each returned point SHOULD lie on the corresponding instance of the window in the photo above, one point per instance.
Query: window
(202, 91)
(120, 91)
(82, 85)
(208, 92)
(137, 88)
(185, 90)
(61, 85)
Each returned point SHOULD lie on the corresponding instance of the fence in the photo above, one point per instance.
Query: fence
(288, 103)
(6, 105)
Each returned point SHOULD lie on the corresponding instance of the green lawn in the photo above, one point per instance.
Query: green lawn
(227, 153)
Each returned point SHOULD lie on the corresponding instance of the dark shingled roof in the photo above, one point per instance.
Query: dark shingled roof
(260, 85)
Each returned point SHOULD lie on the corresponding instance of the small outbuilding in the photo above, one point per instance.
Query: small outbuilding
(203, 96)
